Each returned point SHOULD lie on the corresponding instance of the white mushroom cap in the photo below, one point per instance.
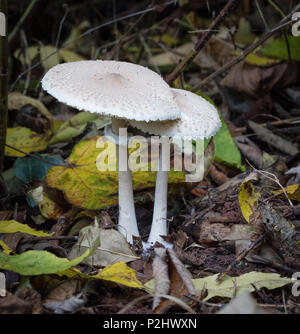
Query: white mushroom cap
(118, 89)
(199, 119)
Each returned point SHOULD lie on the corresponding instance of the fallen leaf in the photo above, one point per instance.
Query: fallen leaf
(87, 187)
(226, 152)
(5, 248)
(248, 199)
(76, 125)
(49, 55)
(118, 273)
(50, 209)
(65, 290)
(17, 100)
(292, 191)
(41, 262)
(25, 140)
(11, 226)
(176, 279)
(258, 81)
(278, 48)
(230, 285)
(113, 248)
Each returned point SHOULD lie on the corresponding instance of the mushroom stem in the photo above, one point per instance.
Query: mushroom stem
(159, 220)
(127, 223)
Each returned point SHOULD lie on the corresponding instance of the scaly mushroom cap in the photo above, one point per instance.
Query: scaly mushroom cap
(199, 119)
(113, 88)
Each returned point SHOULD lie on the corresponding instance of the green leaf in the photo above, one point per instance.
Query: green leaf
(12, 226)
(76, 125)
(278, 48)
(41, 262)
(226, 151)
(256, 59)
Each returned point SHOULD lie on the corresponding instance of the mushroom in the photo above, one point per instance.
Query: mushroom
(199, 120)
(123, 91)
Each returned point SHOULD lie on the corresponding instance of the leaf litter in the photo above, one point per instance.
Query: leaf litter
(241, 221)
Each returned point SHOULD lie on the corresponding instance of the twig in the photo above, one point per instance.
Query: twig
(174, 299)
(202, 40)
(59, 237)
(27, 61)
(200, 301)
(279, 122)
(61, 25)
(272, 139)
(253, 245)
(117, 253)
(22, 19)
(149, 54)
(273, 4)
(33, 156)
(284, 302)
(283, 23)
(262, 15)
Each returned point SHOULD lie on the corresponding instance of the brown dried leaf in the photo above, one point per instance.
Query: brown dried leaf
(160, 273)
(257, 81)
(66, 290)
(172, 279)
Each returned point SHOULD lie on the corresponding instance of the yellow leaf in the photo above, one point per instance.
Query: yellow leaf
(118, 272)
(26, 140)
(259, 60)
(49, 55)
(293, 192)
(17, 100)
(86, 186)
(69, 56)
(248, 199)
(12, 226)
(167, 39)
